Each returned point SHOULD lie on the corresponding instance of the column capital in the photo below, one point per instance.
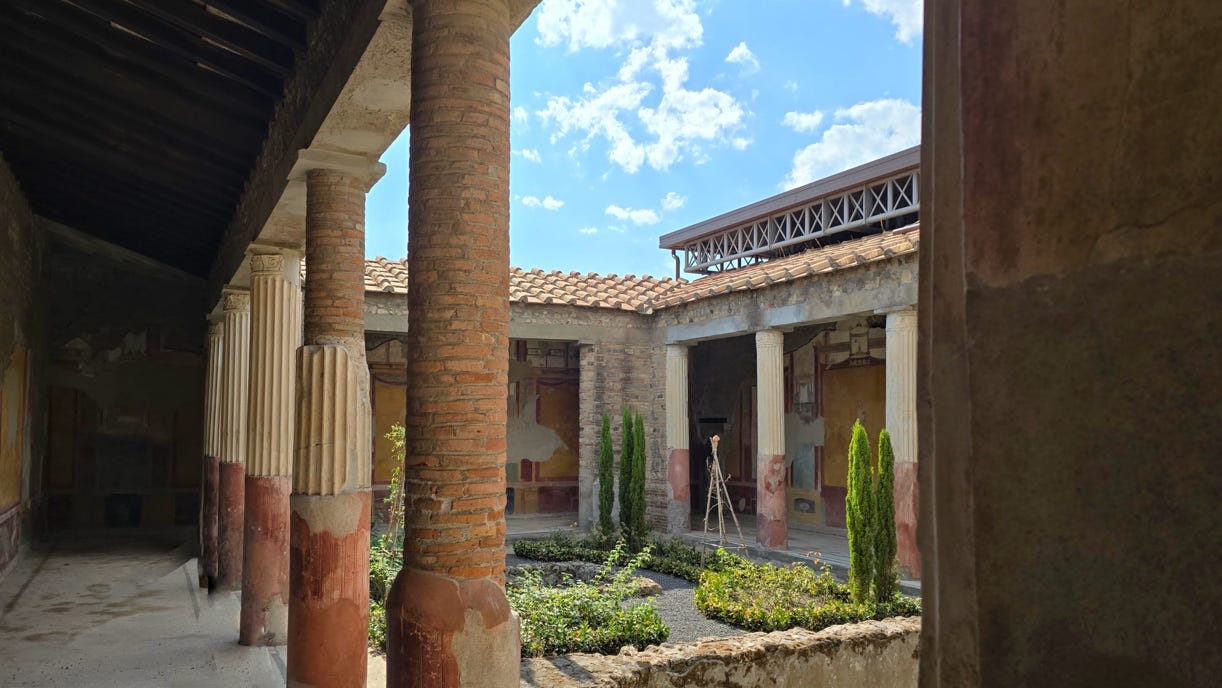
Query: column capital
(235, 301)
(769, 338)
(899, 310)
(354, 166)
(216, 328)
(273, 261)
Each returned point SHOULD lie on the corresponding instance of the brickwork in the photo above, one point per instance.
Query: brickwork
(334, 289)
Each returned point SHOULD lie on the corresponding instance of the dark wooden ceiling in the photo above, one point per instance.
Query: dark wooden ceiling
(138, 121)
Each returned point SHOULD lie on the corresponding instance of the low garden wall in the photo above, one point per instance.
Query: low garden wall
(873, 653)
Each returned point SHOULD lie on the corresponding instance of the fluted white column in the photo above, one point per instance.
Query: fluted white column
(275, 334)
(678, 471)
(770, 509)
(234, 401)
(902, 426)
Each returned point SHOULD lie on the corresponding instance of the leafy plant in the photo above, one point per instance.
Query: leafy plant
(386, 550)
(637, 527)
(859, 515)
(886, 572)
(606, 477)
(586, 617)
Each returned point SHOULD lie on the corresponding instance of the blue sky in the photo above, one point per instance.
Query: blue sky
(634, 118)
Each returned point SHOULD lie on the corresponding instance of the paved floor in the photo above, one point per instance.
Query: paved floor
(106, 611)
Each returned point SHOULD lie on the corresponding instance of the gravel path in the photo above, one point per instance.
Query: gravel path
(675, 605)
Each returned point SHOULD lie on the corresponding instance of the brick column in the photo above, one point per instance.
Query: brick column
(770, 506)
(902, 425)
(330, 504)
(275, 333)
(678, 478)
(232, 473)
(209, 495)
(449, 624)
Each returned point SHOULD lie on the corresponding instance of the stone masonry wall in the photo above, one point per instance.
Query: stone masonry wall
(877, 654)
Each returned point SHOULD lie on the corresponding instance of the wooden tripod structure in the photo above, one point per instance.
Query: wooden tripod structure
(719, 498)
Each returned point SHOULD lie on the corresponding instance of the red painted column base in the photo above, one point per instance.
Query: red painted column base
(265, 572)
(448, 633)
(208, 521)
(907, 500)
(771, 521)
(679, 484)
(231, 506)
(328, 635)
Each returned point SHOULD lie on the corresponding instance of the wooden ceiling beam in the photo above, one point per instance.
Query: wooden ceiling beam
(263, 19)
(227, 34)
(126, 56)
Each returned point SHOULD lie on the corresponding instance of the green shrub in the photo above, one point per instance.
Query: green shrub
(763, 597)
(637, 527)
(625, 471)
(386, 550)
(586, 617)
(859, 515)
(886, 572)
(606, 477)
(670, 557)
(559, 547)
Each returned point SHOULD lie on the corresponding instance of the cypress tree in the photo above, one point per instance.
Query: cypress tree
(859, 513)
(625, 472)
(606, 477)
(638, 483)
(886, 576)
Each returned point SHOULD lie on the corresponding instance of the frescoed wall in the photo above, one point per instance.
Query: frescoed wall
(543, 428)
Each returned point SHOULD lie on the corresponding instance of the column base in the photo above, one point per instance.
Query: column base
(447, 633)
(771, 521)
(906, 502)
(328, 634)
(230, 523)
(208, 521)
(265, 574)
(679, 489)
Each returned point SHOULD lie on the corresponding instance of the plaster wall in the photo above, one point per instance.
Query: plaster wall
(877, 654)
(126, 389)
(21, 367)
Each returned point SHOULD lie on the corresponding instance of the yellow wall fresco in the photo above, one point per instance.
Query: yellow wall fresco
(849, 394)
(389, 407)
(12, 427)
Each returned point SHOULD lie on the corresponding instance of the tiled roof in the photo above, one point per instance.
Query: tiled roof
(806, 264)
(590, 290)
(645, 294)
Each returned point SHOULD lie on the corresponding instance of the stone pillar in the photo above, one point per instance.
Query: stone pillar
(770, 508)
(232, 473)
(330, 504)
(1069, 377)
(448, 622)
(275, 333)
(678, 465)
(209, 495)
(902, 426)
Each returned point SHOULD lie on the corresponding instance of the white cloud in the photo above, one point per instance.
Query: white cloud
(530, 154)
(803, 121)
(588, 230)
(790, 86)
(614, 23)
(638, 216)
(520, 114)
(547, 202)
(676, 122)
(742, 55)
(673, 201)
(907, 15)
(863, 132)
(740, 143)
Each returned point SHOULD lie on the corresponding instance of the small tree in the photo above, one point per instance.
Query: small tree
(625, 472)
(637, 517)
(886, 574)
(606, 477)
(859, 512)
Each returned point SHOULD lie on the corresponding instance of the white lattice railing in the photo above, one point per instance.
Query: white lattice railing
(867, 205)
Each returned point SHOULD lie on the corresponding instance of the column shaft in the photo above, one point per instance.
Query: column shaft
(330, 504)
(902, 425)
(449, 624)
(770, 507)
(678, 466)
(209, 496)
(275, 314)
(232, 473)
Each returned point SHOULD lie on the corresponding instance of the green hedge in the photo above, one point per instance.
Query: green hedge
(669, 557)
(763, 597)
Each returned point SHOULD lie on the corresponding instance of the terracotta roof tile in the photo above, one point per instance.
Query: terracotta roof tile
(815, 261)
(645, 294)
